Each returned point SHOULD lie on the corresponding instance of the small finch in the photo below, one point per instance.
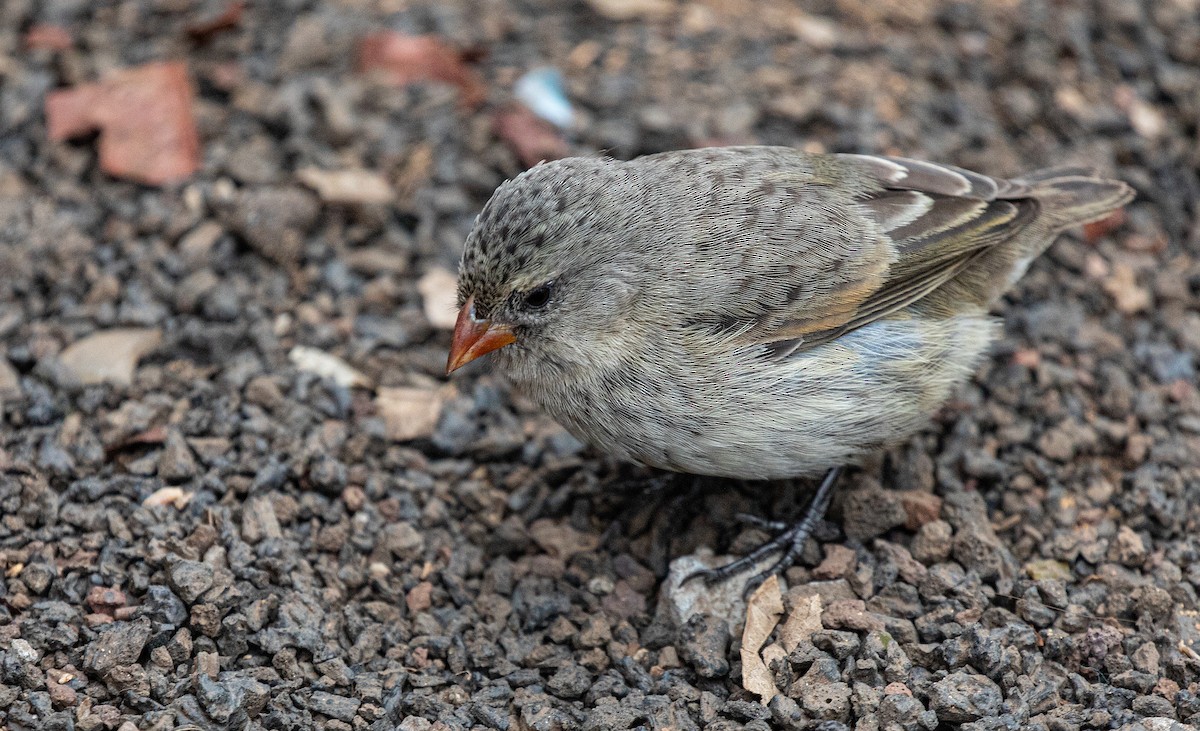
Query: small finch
(752, 312)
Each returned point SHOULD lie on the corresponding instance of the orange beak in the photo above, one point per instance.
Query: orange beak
(474, 338)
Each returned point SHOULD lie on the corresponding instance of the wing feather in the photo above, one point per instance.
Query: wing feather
(826, 244)
(941, 220)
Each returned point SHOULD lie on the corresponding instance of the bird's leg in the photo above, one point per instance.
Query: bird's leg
(789, 540)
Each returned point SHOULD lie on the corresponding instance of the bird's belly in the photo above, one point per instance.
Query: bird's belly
(752, 418)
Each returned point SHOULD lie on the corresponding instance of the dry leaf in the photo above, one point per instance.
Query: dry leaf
(632, 9)
(327, 366)
(1122, 286)
(439, 294)
(111, 355)
(404, 59)
(144, 115)
(409, 413)
(168, 496)
(762, 615)
(347, 186)
(531, 138)
(801, 622)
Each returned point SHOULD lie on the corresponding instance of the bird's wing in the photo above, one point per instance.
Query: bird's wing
(941, 224)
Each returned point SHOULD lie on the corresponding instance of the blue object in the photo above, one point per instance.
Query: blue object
(542, 90)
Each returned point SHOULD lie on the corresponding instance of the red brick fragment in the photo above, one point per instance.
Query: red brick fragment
(403, 59)
(144, 115)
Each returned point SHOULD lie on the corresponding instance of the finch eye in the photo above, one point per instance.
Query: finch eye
(539, 297)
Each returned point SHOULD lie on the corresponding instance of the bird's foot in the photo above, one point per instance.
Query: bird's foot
(788, 541)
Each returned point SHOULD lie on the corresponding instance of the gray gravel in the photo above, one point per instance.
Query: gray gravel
(1032, 560)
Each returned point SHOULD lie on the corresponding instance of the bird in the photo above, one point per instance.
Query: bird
(752, 312)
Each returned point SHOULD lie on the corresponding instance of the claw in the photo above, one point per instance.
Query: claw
(709, 576)
(789, 541)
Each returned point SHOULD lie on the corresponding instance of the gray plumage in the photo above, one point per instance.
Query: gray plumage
(755, 312)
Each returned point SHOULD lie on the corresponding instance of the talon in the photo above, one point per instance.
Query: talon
(756, 581)
(789, 540)
(707, 574)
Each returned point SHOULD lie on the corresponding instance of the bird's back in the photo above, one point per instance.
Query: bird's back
(820, 245)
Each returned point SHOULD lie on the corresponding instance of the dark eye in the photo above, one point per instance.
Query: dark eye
(538, 297)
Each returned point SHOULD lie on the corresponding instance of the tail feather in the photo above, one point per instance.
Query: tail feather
(1060, 171)
(1066, 197)
(1073, 196)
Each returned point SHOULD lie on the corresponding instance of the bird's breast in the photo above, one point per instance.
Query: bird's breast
(734, 411)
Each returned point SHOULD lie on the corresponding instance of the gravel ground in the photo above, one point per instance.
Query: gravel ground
(226, 538)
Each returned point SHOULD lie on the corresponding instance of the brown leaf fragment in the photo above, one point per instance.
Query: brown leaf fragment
(326, 365)
(110, 355)
(347, 187)
(438, 288)
(168, 496)
(762, 615)
(531, 138)
(144, 115)
(801, 622)
(409, 413)
(403, 59)
(1127, 294)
